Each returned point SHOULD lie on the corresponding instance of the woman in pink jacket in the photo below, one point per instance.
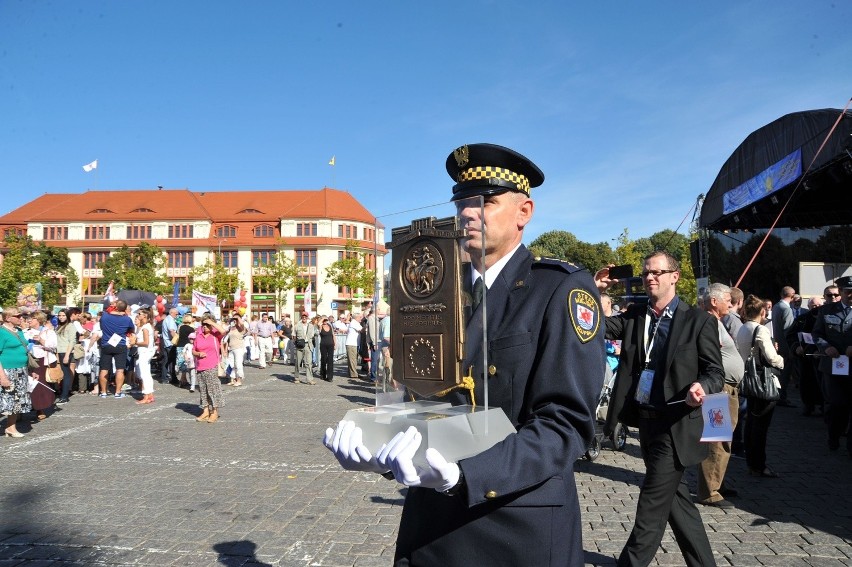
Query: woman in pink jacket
(207, 351)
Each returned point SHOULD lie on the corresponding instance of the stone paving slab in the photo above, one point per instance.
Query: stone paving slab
(108, 482)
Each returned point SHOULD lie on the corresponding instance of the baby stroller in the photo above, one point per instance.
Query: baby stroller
(619, 435)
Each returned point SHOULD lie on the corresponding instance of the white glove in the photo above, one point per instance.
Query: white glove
(398, 456)
(346, 443)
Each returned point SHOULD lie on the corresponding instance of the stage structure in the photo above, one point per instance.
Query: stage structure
(770, 166)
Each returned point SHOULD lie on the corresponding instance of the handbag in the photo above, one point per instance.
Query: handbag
(53, 373)
(759, 380)
(32, 361)
(300, 344)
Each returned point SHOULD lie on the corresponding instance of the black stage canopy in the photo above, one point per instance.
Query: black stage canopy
(761, 174)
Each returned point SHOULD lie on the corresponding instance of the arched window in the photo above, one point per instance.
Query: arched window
(262, 230)
(226, 231)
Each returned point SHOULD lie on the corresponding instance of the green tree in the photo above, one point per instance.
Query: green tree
(27, 262)
(565, 246)
(137, 268)
(627, 252)
(213, 278)
(278, 277)
(350, 272)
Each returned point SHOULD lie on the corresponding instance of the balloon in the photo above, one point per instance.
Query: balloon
(182, 309)
(161, 308)
(159, 299)
(242, 293)
(242, 310)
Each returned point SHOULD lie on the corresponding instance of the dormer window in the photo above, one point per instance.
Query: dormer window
(101, 211)
(142, 210)
(250, 212)
(264, 230)
(226, 231)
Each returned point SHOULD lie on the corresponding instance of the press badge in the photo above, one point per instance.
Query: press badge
(643, 389)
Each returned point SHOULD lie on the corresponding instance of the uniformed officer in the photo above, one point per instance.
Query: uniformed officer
(515, 503)
(833, 334)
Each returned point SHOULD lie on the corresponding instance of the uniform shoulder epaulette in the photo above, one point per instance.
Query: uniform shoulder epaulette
(556, 263)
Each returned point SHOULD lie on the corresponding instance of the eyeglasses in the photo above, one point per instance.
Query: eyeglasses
(832, 295)
(656, 273)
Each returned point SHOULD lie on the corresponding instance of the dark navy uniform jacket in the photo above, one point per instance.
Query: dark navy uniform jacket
(520, 506)
(833, 327)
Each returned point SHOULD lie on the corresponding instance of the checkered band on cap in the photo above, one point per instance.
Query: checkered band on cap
(489, 172)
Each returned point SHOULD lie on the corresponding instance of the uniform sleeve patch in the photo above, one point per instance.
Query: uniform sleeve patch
(585, 314)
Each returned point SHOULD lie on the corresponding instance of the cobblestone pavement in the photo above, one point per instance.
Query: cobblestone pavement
(109, 482)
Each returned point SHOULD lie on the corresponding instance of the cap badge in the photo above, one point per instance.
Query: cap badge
(462, 155)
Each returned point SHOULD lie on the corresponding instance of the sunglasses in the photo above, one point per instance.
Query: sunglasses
(832, 295)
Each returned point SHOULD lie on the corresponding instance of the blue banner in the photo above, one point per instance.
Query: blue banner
(768, 181)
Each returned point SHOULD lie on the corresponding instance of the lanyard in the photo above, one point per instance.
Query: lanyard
(649, 344)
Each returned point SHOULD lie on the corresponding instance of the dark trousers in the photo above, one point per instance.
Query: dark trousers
(327, 362)
(786, 376)
(67, 379)
(756, 430)
(169, 360)
(664, 498)
(839, 402)
(809, 384)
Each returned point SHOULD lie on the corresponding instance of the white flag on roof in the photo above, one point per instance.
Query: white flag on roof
(90, 166)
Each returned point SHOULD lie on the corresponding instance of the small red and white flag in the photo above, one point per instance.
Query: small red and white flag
(90, 166)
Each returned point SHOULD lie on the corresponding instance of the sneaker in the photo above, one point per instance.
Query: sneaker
(192, 390)
(125, 387)
(103, 395)
(61, 401)
(121, 395)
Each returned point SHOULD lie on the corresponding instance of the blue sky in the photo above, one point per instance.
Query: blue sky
(630, 108)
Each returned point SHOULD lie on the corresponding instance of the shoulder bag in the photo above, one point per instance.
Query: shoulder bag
(53, 373)
(759, 380)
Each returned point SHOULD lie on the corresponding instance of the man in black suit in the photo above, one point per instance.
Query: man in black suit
(833, 334)
(515, 503)
(670, 359)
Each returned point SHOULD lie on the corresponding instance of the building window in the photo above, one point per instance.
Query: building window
(13, 232)
(306, 257)
(343, 291)
(303, 285)
(306, 229)
(347, 231)
(94, 286)
(264, 230)
(97, 232)
(180, 259)
(262, 257)
(55, 233)
(139, 232)
(369, 234)
(261, 285)
(370, 261)
(180, 231)
(184, 282)
(94, 260)
(229, 258)
(142, 210)
(341, 254)
(226, 232)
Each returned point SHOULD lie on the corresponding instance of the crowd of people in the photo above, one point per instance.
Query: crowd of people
(122, 350)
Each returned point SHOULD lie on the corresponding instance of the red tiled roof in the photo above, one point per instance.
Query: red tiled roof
(182, 204)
